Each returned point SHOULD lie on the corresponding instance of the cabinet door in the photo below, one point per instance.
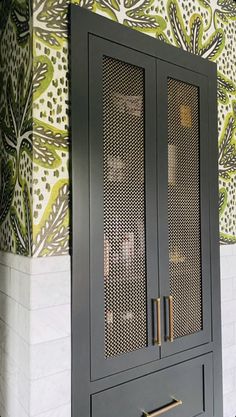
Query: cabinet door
(183, 163)
(123, 226)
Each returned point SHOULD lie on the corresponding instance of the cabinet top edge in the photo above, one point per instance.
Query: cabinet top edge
(84, 22)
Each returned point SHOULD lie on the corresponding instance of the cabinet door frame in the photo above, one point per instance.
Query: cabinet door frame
(101, 366)
(82, 24)
(166, 70)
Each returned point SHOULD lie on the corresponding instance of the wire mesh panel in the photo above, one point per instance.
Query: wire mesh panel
(124, 208)
(184, 207)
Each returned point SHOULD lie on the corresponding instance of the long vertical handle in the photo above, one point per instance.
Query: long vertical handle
(157, 338)
(171, 319)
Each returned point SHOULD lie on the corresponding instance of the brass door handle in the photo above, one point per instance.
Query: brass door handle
(157, 339)
(164, 409)
(171, 319)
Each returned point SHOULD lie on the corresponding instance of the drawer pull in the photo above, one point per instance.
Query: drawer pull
(164, 409)
(157, 340)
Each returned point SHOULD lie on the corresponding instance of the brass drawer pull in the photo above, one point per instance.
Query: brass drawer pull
(171, 319)
(157, 340)
(164, 409)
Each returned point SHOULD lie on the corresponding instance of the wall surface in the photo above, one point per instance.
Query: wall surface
(203, 27)
(35, 341)
(34, 98)
(228, 308)
(34, 183)
(16, 158)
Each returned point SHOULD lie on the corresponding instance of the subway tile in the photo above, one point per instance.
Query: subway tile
(233, 249)
(228, 381)
(8, 310)
(10, 400)
(227, 289)
(16, 347)
(226, 250)
(8, 370)
(229, 358)
(50, 264)
(228, 335)
(23, 323)
(50, 290)
(228, 312)
(35, 344)
(5, 275)
(40, 291)
(50, 358)
(20, 288)
(50, 324)
(229, 404)
(234, 288)
(16, 385)
(63, 411)
(35, 265)
(50, 392)
(14, 315)
(228, 267)
(3, 412)
(234, 333)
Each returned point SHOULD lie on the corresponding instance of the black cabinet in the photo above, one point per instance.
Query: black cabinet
(123, 207)
(160, 393)
(145, 261)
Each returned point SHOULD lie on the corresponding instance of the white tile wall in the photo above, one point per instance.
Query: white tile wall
(35, 342)
(63, 411)
(228, 306)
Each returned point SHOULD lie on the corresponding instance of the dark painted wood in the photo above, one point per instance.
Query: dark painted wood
(85, 24)
(164, 71)
(214, 237)
(110, 30)
(80, 220)
(138, 371)
(189, 382)
(98, 47)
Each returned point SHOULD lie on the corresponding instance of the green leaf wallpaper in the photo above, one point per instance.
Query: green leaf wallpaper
(16, 161)
(34, 142)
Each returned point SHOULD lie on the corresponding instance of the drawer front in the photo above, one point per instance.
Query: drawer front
(183, 390)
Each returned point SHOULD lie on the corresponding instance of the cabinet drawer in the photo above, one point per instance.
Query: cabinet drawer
(189, 383)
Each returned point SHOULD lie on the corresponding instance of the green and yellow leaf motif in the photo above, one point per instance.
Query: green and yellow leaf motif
(225, 10)
(5, 10)
(137, 14)
(205, 3)
(51, 19)
(47, 143)
(192, 41)
(53, 236)
(23, 233)
(7, 186)
(227, 148)
(222, 200)
(42, 75)
(21, 17)
(16, 120)
(87, 4)
(225, 88)
(227, 239)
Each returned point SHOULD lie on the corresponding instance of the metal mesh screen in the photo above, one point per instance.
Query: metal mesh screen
(124, 208)
(184, 207)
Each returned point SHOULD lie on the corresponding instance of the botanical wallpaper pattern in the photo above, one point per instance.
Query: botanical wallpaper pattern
(34, 140)
(16, 160)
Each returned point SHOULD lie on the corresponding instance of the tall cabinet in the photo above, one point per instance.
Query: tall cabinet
(145, 251)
